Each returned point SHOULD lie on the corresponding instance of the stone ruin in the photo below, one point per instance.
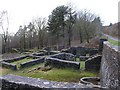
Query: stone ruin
(109, 69)
(81, 51)
(13, 82)
(93, 64)
(62, 60)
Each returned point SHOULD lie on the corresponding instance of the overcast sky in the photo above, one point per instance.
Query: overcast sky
(21, 12)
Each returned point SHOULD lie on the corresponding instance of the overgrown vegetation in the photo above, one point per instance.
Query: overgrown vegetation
(82, 63)
(66, 74)
(54, 74)
(64, 25)
(21, 61)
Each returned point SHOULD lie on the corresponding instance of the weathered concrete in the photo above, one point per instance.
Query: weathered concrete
(13, 82)
(110, 67)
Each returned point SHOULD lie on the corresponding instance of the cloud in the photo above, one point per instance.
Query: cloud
(23, 11)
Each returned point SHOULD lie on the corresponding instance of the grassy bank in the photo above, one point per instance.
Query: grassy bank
(65, 74)
(114, 42)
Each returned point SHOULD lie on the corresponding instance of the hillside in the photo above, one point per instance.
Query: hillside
(112, 30)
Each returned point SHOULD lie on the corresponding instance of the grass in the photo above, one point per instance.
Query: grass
(117, 43)
(114, 42)
(82, 63)
(65, 75)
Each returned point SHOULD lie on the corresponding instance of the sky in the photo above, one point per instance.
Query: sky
(21, 12)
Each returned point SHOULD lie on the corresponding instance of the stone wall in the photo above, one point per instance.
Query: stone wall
(64, 56)
(93, 64)
(58, 63)
(84, 58)
(110, 71)
(13, 82)
(15, 59)
(33, 62)
(9, 65)
(81, 51)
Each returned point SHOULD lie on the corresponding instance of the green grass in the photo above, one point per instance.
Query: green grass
(82, 63)
(65, 75)
(114, 42)
(21, 61)
(117, 43)
(19, 72)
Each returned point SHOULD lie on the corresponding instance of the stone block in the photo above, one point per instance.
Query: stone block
(110, 67)
(9, 65)
(33, 62)
(15, 59)
(58, 63)
(93, 64)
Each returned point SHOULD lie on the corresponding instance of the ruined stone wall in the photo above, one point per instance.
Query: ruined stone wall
(13, 82)
(110, 71)
(32, 62)
(59, 63)
(93, 64)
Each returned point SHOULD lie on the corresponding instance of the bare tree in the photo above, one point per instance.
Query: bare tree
(40, 25)
(4, 24)
(70, 24)
(86, 18)
(79, 27)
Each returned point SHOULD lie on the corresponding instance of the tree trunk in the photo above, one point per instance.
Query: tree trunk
(69, 36)
(80, 35)
(24, 44)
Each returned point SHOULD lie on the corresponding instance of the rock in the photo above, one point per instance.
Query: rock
(9, 65)
(33, 62)
(58, 63)
(93, 64)
(13, 82)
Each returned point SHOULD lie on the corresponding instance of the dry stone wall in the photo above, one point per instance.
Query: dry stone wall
(32, 62)
(81, 51)
(15, 59)
(9, 65)
(93, 64)
(58, 63)
(64, 56)
(13, 82)
(110, 67)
